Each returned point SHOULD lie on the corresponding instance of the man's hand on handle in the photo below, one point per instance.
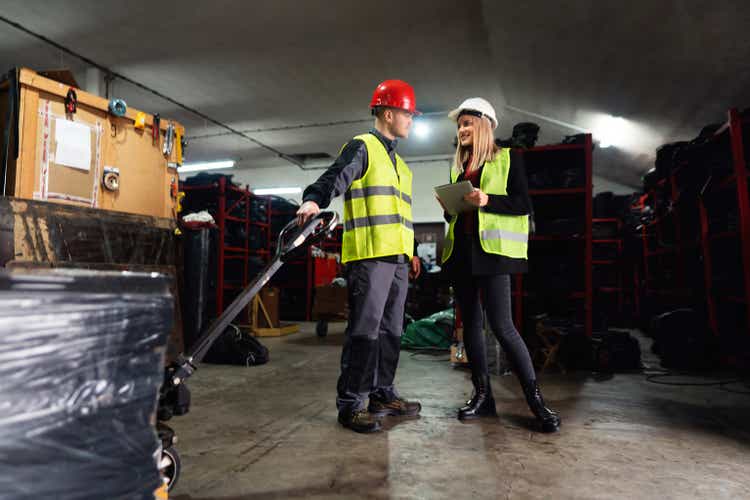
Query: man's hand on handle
(416, 268)
(307, 210)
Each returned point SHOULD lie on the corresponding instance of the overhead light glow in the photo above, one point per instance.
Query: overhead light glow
(421, 129)
(278, 190)
(611, 131)
(212, 165)
(623, 134)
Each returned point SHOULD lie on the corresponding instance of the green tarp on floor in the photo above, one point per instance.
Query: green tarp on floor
(434, 331)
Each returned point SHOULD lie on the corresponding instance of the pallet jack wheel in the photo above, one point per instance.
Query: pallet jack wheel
(170, 466)
(321, 328)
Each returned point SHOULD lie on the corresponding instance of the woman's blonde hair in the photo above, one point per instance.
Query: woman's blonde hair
(483, 148)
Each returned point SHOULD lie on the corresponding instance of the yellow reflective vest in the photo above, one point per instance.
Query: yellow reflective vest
(499, 234)
(377, 208)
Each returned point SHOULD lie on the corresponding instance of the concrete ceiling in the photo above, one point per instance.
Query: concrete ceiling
(297, 75)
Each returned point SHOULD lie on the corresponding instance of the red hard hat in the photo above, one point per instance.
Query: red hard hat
(395, 94)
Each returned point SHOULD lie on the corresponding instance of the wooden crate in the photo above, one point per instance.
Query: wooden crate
(146, 175)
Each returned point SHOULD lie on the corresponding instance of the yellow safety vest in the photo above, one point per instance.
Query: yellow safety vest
(377, 208)
(499, 234)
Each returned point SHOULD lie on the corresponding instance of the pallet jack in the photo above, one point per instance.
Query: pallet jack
(174, 396)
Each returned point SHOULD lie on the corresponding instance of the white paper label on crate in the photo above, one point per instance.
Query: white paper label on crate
(73, 144)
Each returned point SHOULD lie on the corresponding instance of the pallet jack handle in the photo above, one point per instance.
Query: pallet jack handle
(291, 237)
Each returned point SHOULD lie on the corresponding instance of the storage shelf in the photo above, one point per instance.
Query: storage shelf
(663, 251)
(566, 295)
(602, 220)
(729, 142)
(236, 189)
(234, 257)
(236, 219)
(235, 249)
(555, 238)
(578, 238)
(205, 187)
(678, 292)
(557, 191)
(725, 234)
(609, 240)
(727, 181)
(661, 218)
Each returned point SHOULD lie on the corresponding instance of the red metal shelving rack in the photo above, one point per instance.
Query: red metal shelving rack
(737, 179)
(585, 191)
(228, 199)
(617, 262)
(655, 229)
(305, 259)
(734, 184)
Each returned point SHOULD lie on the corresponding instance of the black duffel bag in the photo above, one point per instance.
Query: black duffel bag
(235, 347)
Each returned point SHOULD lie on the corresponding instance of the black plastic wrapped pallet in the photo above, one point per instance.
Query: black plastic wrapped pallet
(199, 261)
(603, 205)
(665, 158)
(258, 209)
(81, 363)
(206, 179)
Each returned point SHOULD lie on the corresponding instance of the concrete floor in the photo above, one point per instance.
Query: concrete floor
(271, 432)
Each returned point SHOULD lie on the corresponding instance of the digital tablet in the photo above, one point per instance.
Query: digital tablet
(452, 196)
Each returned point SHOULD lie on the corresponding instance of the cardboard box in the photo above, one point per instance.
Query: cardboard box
(330, 302)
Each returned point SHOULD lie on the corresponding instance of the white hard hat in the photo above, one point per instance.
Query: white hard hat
(475, 105)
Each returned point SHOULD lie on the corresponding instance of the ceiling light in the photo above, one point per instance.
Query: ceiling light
(421, 129)
(278, 190)
(212, 165)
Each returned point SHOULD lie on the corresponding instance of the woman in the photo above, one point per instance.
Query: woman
(483, 247)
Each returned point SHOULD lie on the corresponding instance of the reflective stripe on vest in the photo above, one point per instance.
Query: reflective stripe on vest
(499, 234)
(378, 207)
(375, 190)
(376, 220)
(502, 234)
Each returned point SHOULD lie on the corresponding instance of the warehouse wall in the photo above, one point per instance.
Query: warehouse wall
(426, 176)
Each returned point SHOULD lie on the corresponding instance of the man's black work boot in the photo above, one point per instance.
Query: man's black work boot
(482, 404)
(396, 407)
(359, 421)
(548, 419)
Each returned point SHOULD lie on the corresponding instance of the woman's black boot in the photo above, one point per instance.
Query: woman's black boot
(482, 404)
(548, 419)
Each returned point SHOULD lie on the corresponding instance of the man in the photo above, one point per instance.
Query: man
(379, 252)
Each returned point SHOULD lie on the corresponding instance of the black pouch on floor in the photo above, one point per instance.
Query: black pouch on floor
(235, 347)
(616, 351)
(683, 342)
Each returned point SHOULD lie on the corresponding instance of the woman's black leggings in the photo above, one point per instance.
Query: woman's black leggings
(496, 294)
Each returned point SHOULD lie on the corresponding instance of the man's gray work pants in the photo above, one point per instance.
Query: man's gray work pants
(377, 293)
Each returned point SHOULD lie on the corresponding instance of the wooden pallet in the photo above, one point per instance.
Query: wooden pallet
(256, 308)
